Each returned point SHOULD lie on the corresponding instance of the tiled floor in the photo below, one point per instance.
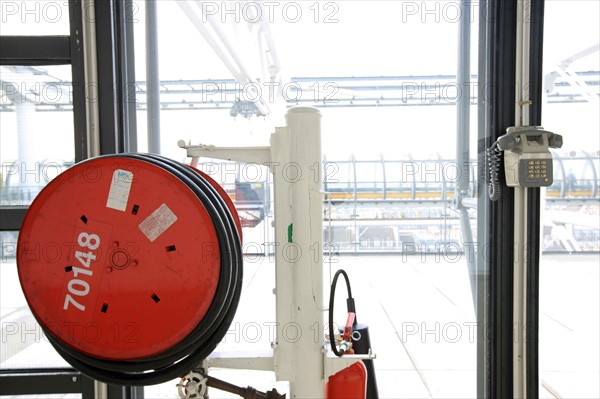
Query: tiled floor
(422, 327)
(421, 322)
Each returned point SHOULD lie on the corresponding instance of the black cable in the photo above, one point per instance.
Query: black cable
(349, 303)
(493, 154)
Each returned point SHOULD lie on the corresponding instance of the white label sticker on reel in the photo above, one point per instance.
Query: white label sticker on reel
(118, 195)
(158, 222)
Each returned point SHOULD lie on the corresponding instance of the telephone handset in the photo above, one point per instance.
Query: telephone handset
(527, 159)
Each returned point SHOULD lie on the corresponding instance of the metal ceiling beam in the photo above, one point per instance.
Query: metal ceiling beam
(323, 92)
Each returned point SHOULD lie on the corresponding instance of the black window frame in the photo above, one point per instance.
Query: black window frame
(498, 36)
(118, 134)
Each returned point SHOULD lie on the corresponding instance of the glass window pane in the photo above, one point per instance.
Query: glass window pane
(23, 344)
(384, 77)
(569, 278)
(36, 129)
(339, 178)
(34, 18)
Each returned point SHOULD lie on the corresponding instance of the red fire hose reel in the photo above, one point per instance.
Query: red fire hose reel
(132, 265)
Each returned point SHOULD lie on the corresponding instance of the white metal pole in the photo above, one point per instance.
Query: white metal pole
(26, 142)
(521, 208)
(100, 390)
(90, 70)
(520, 294)
(296, 157)
(152, 77)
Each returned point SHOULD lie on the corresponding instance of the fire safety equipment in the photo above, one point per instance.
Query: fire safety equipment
(132, 265)
(356, 381)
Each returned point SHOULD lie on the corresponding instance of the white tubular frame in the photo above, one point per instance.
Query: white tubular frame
(299, 354)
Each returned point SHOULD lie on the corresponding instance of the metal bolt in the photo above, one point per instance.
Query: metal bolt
(116, 244)
(74, 379)
(109, 269)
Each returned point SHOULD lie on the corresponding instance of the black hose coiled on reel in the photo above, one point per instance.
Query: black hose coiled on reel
(202, 340)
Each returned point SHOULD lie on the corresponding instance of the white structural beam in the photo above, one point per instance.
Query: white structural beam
(245, 47)
(299, 352)
(296, 152)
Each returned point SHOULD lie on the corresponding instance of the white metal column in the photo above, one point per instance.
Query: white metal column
(296, 153)
(299, 353)
(294, 158)
(521, 208)
(92, 113)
